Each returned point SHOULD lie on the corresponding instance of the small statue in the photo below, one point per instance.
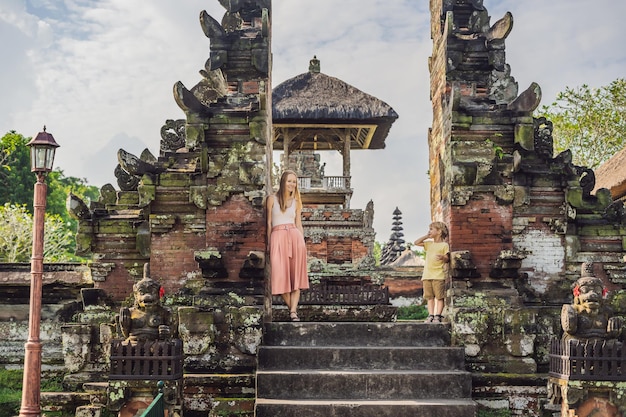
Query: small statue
(147, 319)
(368, 218)
(589, 319)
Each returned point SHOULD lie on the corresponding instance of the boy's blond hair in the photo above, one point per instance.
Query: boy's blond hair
(441, 226)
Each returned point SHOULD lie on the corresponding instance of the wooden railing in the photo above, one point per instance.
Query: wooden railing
(146, 360)
(336, 182)
(328, 183)
(588, 360)
(304, 183)
(343, 294)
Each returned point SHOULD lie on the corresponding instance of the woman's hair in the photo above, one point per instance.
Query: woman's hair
(281, 194)
(441, 227)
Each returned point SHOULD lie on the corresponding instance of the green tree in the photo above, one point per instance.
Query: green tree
(16, 178)
(16, 236)
(378, 247)
(60, 186)
(17, 182)
(589, 121)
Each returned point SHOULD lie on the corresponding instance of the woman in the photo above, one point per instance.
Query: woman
(285, 237)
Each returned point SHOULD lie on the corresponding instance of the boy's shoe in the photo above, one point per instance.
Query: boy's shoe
(438, 319)
(430, 318)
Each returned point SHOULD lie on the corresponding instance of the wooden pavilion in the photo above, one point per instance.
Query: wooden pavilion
(314, 112)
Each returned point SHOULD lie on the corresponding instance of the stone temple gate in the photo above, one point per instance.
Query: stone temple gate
(522, 220)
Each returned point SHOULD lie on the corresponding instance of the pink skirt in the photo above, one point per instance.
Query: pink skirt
(288, 259)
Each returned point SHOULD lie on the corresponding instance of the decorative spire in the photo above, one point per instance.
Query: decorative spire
(395, 246)
(314, 65)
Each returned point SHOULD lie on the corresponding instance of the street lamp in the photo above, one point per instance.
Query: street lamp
(42, 150)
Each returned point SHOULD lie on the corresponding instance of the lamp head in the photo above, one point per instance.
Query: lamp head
(42, 149)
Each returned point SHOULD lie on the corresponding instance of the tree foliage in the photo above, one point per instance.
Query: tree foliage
(16, 178)
(16, 236)
(589, 121)
(16, 191)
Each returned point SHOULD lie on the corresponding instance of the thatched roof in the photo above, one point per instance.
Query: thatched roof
(315, 100)
(612, 175)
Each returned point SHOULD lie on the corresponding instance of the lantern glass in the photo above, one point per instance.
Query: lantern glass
(42, 158)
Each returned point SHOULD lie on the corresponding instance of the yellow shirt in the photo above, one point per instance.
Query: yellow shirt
(433, 267)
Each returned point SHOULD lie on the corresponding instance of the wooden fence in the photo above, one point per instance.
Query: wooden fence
(588, 360)
(343, 294)
(146, 360)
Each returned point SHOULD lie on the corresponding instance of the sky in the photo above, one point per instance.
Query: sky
(99, 74)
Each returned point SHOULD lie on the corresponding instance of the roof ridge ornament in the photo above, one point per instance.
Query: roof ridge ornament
(314, 65)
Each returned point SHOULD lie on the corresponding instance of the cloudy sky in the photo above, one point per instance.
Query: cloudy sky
(99, 74)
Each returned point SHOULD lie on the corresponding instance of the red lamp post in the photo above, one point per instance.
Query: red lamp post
(42, 150)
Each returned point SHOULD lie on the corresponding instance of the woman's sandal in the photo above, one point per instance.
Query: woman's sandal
(294, 316)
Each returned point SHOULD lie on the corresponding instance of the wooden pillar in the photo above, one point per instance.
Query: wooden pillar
(346, 165)
(286, 143)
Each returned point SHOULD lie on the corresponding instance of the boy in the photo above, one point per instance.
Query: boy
(434, 276)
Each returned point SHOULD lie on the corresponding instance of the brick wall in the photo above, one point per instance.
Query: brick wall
(235, 228)
(172, 257)
(483, 227)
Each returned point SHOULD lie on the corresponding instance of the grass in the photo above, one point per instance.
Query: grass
(11, 390)
(412, 312)
(490, 412)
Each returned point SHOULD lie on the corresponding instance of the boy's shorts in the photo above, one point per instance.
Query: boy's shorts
(434, 288)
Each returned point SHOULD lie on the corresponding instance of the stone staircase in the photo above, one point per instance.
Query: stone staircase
(338, 369)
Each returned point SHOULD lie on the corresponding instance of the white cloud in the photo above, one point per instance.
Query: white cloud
(100, 72)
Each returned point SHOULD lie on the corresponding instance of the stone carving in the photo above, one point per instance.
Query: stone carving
(615, 212)
(147, 319)
(208, 90)
(125, 181)
(528, 100)
(226, 60)
(462, 265)
(172, 135)
(253, 266)
(589, 318)
(499, 30)
(77, 208)
(368, 218)
(147, 163)
(502, 86)
(543, 141)
(507, 264)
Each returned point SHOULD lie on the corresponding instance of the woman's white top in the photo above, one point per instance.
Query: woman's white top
(288, 217)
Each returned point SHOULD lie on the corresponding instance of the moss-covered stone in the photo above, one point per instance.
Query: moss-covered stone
(174, 179)
(232, 407)
(197, 330)
(525, 136)
(114, 226)
(147, 194)
(198, 196)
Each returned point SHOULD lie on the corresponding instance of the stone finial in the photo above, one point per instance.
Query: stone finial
(586, 270)
(314, 65)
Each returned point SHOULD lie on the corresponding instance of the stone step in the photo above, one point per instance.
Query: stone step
(365, 334)
(342, 408)
(361, 369)
(361, 385)
(357, 357)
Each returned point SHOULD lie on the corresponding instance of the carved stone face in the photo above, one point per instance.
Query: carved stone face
(146, 293)
(589, 298)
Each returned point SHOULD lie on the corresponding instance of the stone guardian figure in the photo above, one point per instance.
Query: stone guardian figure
(147, 319)
(589, 318)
